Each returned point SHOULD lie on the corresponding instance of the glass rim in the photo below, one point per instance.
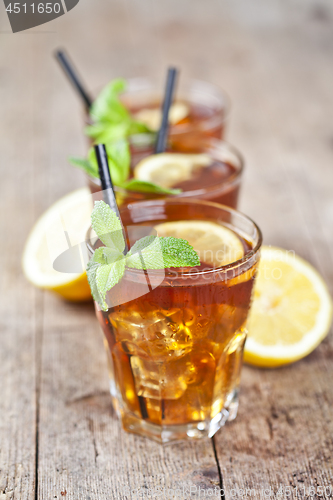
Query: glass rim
(212, 143)
(144, 82)
(187, 82)
(171, 201)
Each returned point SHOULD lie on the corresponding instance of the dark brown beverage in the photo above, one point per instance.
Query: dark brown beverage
(218, 182)
(207, 109)
(175, 351)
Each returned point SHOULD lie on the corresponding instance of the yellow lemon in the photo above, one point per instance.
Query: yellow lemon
(169, 169)
(59, 237)
(216, 245)
(152, 117)
(291, 311)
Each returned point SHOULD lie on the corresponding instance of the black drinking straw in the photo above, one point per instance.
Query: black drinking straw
(110, 199)
(168, 97)
(74, 78)
(106, 181)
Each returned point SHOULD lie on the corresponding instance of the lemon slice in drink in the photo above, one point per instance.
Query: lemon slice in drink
(291, 311)
(216, 245)
(62, 226)
(152, 117)
(169, 169)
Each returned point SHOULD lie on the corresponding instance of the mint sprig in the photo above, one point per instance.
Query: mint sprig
(111, 120)
(112, 124)
(104, 270)
(119, 159)
(108, 264)
(148, 187)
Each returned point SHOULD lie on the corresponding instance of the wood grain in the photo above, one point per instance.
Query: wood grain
(274, 59)
(21, 307)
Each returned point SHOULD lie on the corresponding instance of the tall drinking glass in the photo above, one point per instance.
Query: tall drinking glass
(175, 337)
(219, 182)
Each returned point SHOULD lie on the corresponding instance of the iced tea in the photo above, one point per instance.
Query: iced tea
(219, 182)
(175, 350)
(208, 108)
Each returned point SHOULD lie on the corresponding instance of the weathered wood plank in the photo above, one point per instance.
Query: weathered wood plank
(269, 110)
(283, 434)
(20, 305)
(83, 450)
(274, 58)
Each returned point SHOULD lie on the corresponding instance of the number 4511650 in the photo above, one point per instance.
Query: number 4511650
(40, 8)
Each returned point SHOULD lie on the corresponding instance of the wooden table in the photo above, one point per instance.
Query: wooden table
(59, 437)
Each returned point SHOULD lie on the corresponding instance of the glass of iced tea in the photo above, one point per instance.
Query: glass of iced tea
(200, 109)
(215, 174)
(175, 337)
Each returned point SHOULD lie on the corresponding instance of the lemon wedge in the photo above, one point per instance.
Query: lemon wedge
(291, 311)
(153, 117)
(215, 245)
(169, 169)
(59, 236)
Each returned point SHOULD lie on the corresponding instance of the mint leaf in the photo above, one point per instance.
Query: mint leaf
(147, 254)
(178, 252)
(119, 153)
(138, 128)
(104, 132)
(108, 276)
(90, 168)
(159, 253)
(112, 120)
(95, 131)
(107, 226)
(141, 244)
(105, 255)
(107, 106)
(104, 270)
(108, 132)
(91, 275)
(148, 187)
(119, 159)
(107, 265)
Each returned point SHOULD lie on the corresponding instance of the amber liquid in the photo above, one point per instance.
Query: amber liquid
(176, 352)
(212, 183)
(202, 121)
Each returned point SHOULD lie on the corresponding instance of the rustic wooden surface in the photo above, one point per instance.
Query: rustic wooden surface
(58, 435)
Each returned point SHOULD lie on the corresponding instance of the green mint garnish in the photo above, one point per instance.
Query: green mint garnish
(84, 164)
(112, 124)
(161, 252)
(107, 226)
(107, 265)
(148, 187)
(107, 106)
(119, 159)
(112, 121)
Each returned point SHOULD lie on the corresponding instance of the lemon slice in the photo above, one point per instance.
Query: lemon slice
(216, 245)
(168, 169)
(291, 311)
(153, 117)
(62, 226)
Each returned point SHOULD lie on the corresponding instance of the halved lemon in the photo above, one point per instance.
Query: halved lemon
(168, 169)
(152, 117)
(56, 242)
(291, 311)
(216, 245)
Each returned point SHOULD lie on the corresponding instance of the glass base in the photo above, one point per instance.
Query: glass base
(232, 404)
(169, 433)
